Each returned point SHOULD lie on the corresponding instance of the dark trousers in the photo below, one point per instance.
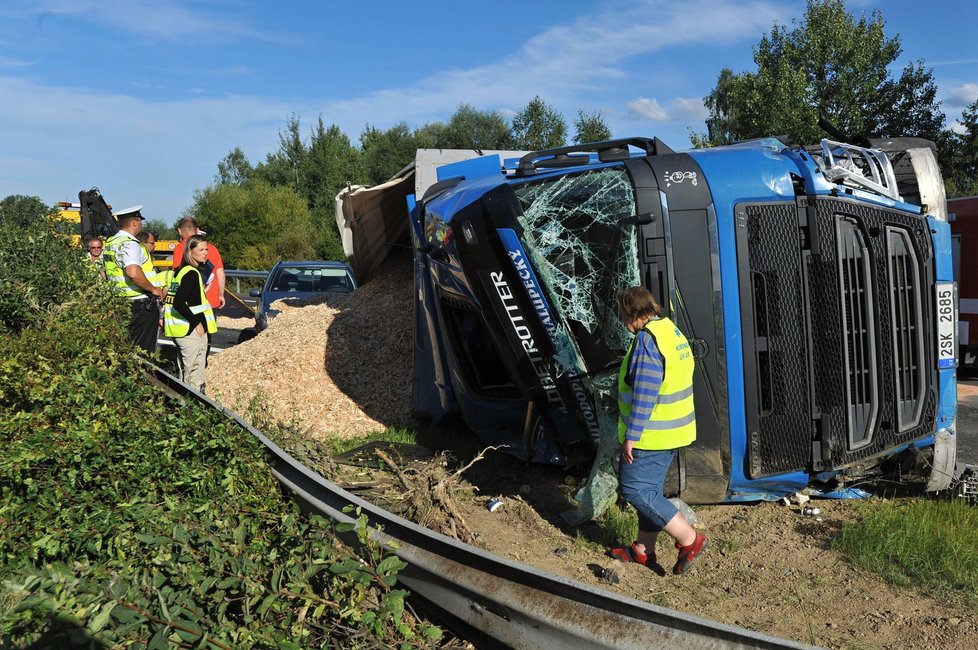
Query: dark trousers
(144, 324)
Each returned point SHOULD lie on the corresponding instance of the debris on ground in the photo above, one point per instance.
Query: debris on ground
(415, 485)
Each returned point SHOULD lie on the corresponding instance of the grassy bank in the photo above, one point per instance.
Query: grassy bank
(925, 543)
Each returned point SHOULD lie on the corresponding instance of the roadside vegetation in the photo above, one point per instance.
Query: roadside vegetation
(927, 543)
(130, 519)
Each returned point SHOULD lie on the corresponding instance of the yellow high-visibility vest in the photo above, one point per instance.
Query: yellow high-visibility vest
(673, 420)
(173, 323)
(116, 274)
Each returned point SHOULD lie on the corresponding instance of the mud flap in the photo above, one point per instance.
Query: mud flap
(943, 465)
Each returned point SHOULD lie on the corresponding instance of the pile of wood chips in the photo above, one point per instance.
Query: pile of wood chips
(234, 323)
(339, 365)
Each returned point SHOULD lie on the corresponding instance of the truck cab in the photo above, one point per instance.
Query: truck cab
(814, 285)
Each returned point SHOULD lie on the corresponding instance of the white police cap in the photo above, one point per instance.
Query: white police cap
(129, 212)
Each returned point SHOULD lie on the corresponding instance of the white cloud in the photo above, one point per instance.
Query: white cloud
(961, 96)
(647, 109)
(685, 109)
(566, 62)
(58, 141)
(142, 85)
(156, 19)
(934, 64)
(233, 71)
(690, 109)
(8, 62)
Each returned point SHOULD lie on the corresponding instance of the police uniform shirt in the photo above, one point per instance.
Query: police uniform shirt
(131, 252)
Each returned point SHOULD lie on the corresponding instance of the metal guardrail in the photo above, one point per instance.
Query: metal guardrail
(244, 299)
(512, 604)
(237, 275)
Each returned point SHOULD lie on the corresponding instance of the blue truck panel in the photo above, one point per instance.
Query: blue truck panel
(803, 276)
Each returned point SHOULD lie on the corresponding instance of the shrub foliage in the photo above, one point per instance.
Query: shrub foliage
(38, 270)
(132, 519)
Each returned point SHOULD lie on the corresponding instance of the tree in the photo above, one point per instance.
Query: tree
(590, 127)
(911, 106)
(24, 211)
(331, 162)
(316, 172)
(160, 227)
(282, 167)
(538, 126)
(385, 153)
(256, 224)
(830, 64)
(468, 128)
(962, 173)
(234, 169)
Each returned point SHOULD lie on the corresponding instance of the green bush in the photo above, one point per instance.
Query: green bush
(38, 270)
(133, 519)
(256, 224)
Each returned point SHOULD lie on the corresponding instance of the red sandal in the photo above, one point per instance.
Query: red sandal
(631, 554)
(688, 554)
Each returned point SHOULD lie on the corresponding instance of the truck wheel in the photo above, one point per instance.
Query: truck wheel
(247, 334)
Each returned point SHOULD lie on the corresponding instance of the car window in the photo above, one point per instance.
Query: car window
(285, 280)
(312, 280)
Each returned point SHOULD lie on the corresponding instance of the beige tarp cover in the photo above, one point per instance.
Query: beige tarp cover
(372, 219)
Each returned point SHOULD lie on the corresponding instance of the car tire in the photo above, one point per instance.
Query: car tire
(247, 334)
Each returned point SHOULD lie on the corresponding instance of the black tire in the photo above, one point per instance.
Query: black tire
(247, 334)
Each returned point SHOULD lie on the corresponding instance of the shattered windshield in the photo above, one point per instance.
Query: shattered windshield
(573, 234)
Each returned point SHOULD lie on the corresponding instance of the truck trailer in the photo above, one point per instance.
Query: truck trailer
(815, 286)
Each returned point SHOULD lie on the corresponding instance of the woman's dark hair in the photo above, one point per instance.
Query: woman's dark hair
(635, 303)
(192, 243)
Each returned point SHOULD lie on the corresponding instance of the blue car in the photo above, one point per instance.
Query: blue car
(300, 280)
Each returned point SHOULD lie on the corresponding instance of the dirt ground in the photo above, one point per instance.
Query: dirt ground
(345, 369)
(768, 567)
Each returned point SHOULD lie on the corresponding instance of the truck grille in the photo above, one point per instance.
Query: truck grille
(856, 281)
(837, 363)
(776, 358)
(905, 287)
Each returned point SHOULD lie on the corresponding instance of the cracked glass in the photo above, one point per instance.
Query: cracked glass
(573, 234)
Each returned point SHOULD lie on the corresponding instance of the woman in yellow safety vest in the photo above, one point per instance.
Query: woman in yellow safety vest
(656, 417)
(187, 316)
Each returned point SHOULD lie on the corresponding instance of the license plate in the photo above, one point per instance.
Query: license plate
(947, 325)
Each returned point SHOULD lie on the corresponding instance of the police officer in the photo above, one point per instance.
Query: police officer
(129, 268)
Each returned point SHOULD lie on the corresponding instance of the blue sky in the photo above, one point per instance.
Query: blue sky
(142, 98)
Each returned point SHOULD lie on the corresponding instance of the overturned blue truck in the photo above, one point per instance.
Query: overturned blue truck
(814, 285)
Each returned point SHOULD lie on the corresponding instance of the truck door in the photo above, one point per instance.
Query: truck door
(678, 262)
